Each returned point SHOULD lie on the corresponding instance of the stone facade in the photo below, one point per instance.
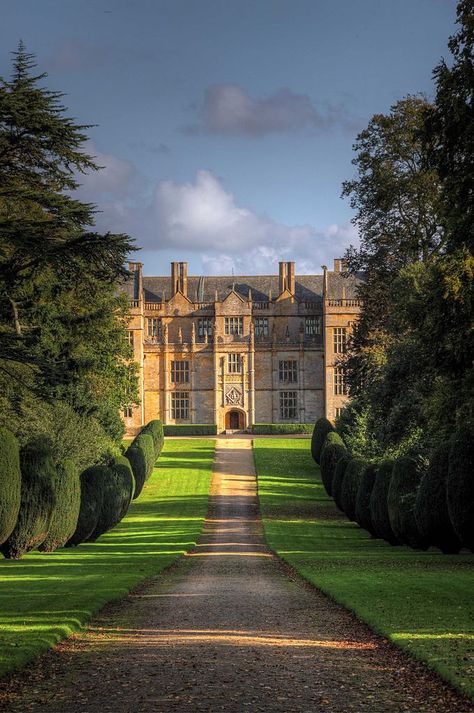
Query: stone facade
(235, 351)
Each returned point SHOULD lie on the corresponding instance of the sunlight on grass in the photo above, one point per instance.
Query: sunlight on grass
(423, 601)
(45, 597)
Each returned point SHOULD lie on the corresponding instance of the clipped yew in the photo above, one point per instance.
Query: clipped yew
(92, 494)
(155, 430)
(350, 486)
(338, 478)
(431, 507)
(330, 458)
(404, 484)
(37, 500)
(67, 493)
(460, 485)
(363, 515)
(379, 503)
(117, 487)
(321, 429)
(10, 483)
(141, 456)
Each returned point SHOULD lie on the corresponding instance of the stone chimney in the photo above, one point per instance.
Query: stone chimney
(174, 278)
(136, 269)
(183, 278)
(282, 282)
(340, 265)
(291, 277)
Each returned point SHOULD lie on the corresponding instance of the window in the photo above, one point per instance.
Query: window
(339, 340)
(180, 406)
(288, 405)
(130, 337)
(180, 372)
(234, 363)
(205, 326)
(312, 326)
(128, 412)
(233, 325)
(339, 385)
(153, 329)
(338, 411)
(288, 371)
(261, 326)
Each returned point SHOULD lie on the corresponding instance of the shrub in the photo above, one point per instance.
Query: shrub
(329, 459)
(350, 486)
(37, 500)
(155, 430)
(460, 486)
(92, 494)
(141, 455)
(431, 507)
(338, 478)
(191, 429)
(67, 492)
(10, 483)
(379, 503)
(406, 478)
(283, 428)
(117, 486)
(321, 429)
(362, 510)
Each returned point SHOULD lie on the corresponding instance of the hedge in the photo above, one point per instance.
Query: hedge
(67, 493)
(10, 483)
(155, 430)
(350, 486)
(338, 478)
(92, 494)
(141, 455)
(191, 429)
(379, 503)
(431, 507)
(363, 514)
(37, 500)
(321, 429)
(117, 486)
(283, 428)
(460, 486)
(406, 478)
(329, 459)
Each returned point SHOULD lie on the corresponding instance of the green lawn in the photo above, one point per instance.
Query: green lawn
(423, 601)
(45, 597)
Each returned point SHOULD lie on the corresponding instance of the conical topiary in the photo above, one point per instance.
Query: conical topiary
(155, 430)
(37, 500)
(363, 514)
(460, 485)
(338, 479)
(10, 483)
(67, 493)
(321, 429)
(329, 459)
(404, 484)
(379, 503)
(92, 494)
(141, 455)
(350, 486)
(118, 488)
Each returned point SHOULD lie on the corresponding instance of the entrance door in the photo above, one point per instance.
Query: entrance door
(233, 420)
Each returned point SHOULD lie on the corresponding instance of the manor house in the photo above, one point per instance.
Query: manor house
(235, 351)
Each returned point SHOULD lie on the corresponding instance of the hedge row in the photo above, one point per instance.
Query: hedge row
(44, 505)
(400, 501)
(191, 429)
(281, 428)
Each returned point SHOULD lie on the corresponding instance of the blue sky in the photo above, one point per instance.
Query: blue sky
(225, 127)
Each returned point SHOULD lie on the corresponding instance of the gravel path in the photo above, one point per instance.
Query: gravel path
(228, 629)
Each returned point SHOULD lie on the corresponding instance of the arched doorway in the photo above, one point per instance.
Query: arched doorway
(234, 420)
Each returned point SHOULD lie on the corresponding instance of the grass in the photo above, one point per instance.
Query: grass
(422, 601)
(46, 597)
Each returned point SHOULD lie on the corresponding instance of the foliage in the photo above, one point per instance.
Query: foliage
(190, 429)
(281, 428)
(404, 484)
(332, 451)
(431, 507)
(10, 483)
(460, 485)
(155, 430)
(379, 503)
(92, 494)
(355, 429)
(67, 496)
(338, 478)
(321, 429)
(37, 500)
(350, 486)
(117, 486)
(141, 455)
(363, 515)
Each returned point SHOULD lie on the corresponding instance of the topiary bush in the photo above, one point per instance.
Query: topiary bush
(321, 429)
(379, 503)
(350, 486)
(67, 492)
(118, 486)
(431, 507)
(141, 456)
(92, 494)
(460, 486)
(37, 500)
(363, 514)
(155, 430)
(10, 483)
(338, 478)
(329, 460)
(404, 484)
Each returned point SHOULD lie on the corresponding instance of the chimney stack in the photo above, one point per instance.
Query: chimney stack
(174, 278)
(283, 276)
(337, 265)
(183, 278)
(291, 277)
